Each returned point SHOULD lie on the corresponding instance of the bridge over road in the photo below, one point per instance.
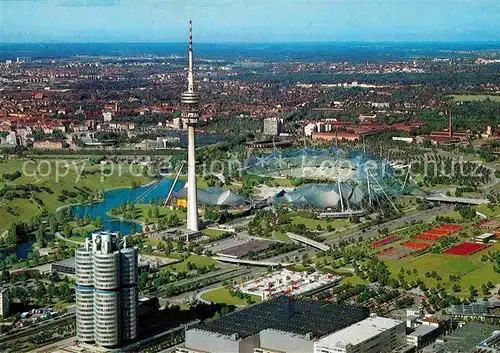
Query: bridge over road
(250, 262)
(451, 199)
(308, 241)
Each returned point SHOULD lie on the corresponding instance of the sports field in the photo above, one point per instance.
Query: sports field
(470, 269)
(475, 97)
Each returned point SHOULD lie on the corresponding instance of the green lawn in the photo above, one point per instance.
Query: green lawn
(222, 296)
(475, 97)
(469, 268)
(195, 259)
(83, 229)
(312, 223)
(78, 238)
(58, 176)
(354, 280)
(213, 233)
(489, 211)
(281, 236)
(452, 214)
(143, 213)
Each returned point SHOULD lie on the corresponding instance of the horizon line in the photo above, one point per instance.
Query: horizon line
(264, 42)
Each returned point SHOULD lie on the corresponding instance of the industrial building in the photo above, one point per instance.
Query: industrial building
(473, 337)
(281, 324)
(106, 290)
(373, 335)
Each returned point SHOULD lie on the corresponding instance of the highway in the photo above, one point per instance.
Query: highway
(368, 232)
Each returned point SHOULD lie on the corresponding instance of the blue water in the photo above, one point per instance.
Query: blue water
(117, 197)
(22, 250)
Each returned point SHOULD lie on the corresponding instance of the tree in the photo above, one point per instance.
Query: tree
(78, 220)
(67, 231)
(12, 236)
(98, 222)
(40, 236)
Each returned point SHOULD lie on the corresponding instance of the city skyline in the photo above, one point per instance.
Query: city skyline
(249, 22)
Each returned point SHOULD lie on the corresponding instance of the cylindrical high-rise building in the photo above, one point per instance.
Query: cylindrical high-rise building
(129, 275)
(190, 115)
(106, 295)
(84, 295)
(85, 313)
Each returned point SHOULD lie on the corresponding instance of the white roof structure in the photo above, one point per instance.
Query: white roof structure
(359, 332)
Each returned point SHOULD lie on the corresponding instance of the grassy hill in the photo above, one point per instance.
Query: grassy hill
(45, 184)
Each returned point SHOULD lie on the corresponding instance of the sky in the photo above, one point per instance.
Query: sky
(220, 21)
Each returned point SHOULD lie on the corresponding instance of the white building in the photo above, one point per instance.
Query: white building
(108, 116)
(403, 139)
(421, 334)
(484, 238)
(380, 104)
(273, 126)
(372, 335)
(4, 302)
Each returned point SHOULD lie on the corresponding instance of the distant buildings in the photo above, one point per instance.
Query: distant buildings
(329, 130)
(373, 335)
(4, 302)
(106, 290)
(49, 144)
(273, 126)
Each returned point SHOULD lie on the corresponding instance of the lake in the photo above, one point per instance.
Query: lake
(117, 197)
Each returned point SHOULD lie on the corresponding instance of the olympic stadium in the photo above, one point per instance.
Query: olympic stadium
(340, 182)
(337, 183)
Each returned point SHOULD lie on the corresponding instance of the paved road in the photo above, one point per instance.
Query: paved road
(391, 225)
(181, 298)
(59, 236)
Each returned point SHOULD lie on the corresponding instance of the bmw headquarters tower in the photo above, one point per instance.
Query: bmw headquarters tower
(106, 290)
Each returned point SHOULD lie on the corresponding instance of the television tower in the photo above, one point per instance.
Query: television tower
(190, 115)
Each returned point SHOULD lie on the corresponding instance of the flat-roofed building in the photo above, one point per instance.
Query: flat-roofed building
(422, 335)
(66, 266)
(484, 238)
(373, 335)
(278, 325)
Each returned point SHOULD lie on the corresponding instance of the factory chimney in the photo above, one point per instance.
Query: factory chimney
(450, 125)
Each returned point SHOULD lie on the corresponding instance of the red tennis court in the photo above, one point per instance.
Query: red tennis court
(384, 241)
(416, 245)
(465, 249)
